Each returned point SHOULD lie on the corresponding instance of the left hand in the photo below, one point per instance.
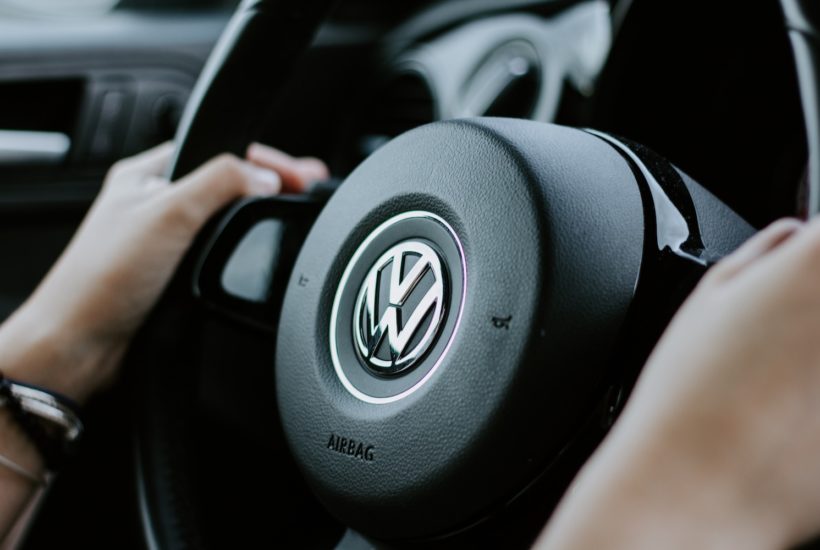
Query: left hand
(71, 334)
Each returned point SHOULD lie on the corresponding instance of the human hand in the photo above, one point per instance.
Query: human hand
(719, 444)
(296, 173)
(71, 334)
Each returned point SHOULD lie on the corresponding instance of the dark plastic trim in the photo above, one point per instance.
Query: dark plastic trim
(803, 21)
(297, 212)
(232, 84)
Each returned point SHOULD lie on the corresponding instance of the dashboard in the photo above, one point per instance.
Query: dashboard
(721, 101)
(509, 66)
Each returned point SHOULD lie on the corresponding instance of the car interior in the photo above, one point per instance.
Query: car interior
(217, 434)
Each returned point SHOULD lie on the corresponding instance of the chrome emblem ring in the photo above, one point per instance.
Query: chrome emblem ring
(397, 307)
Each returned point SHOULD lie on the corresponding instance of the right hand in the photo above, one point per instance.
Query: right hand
(719, 445)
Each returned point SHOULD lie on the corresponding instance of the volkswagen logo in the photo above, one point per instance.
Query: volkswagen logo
(397, 307)
(400, 307)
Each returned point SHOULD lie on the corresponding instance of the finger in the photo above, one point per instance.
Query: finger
(284, 165)
(151, 163)
(296, 173)
(220, 181)
(313, 169)
(807, 244)
(756, 248)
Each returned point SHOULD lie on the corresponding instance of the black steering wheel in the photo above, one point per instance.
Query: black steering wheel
(469, 279)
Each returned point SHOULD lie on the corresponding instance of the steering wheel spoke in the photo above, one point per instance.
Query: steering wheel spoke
(243, 268)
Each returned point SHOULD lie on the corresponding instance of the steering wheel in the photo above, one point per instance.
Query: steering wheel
(470, 278)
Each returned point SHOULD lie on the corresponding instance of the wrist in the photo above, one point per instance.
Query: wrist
(649, 493)
(57, 354)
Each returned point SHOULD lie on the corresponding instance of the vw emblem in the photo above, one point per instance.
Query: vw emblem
(397, 307)
(400, 307)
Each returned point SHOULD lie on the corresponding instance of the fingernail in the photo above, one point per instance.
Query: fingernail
(252, 148)
(269, 181)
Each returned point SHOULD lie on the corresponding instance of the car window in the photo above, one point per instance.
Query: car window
(91, 8)
(76, 8)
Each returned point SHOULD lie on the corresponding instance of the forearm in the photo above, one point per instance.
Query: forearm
(634, 510)
(660, 480)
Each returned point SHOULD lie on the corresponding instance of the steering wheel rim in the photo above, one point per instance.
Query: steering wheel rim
(803, 25)
(169, 515)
